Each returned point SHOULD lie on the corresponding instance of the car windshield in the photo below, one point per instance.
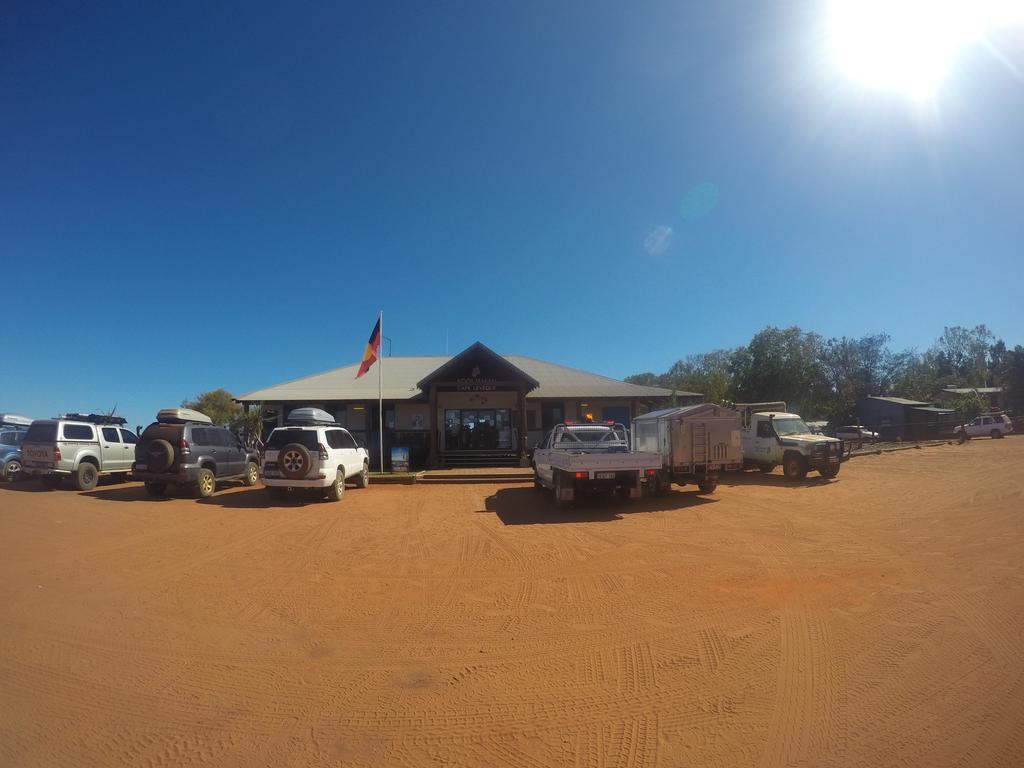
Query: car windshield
(42, 433)
(785, 427)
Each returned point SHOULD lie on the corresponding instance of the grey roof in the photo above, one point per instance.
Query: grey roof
(932, 409)
(683, 410)
(968, 390)
(896, 400)
(402, 373)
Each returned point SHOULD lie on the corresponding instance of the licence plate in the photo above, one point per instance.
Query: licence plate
(142, 466)
(604, 475)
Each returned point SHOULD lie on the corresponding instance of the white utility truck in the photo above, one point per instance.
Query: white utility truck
(575, 458)
(772, 436)
(695, 443)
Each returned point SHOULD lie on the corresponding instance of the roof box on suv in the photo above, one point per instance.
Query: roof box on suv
(181, 416)
(14, 420)
(309, 416)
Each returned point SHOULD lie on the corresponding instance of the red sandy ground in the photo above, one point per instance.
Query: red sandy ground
(873, 620)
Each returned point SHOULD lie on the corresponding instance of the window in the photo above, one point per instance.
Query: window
(9, 438)
(764, 429)
(41, 433)
(986, 420)
(348, 440)
(110, 435)
(617, 413)
(224, 438)
(78, 432)
(128, 437)
(304, 437)
(531, 420)
(335, 438)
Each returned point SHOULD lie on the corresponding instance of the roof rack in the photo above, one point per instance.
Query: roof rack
(14, 420)
(94, 418)
(309, 416)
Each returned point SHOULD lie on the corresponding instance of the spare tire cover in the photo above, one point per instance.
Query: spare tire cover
(294, 461)
(159, 455)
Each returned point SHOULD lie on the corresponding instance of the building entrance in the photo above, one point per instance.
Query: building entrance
(478, 429)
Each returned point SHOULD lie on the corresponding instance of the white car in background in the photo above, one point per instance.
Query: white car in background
(312, 451)
(993, 425)
(855, 434)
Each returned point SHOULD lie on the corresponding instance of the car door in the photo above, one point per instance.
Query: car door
(764, 440)
(542, 457)
(129, 440)
(228, 447)
(352, 458)
(112, 451)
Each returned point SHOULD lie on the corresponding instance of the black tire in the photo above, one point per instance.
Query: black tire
(766, 468)
(156, 490)
(294, 461)
(793, 467)
(336, 490)
(159, 455)
(622, 492)
(252, 474)
(50, 481)
(830, 472)
(363, 478)
(996, 434)
(87, 476)
(12, 469)
(708, 487)
(206, 483)
(276, 492)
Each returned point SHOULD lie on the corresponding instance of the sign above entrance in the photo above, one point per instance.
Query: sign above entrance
(475, 382)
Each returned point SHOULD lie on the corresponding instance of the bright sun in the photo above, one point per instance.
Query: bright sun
(908, 46)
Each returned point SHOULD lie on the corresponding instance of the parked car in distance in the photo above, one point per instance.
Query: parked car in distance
(770, 436)
(312, 451)
(992, 425)
(183, 448)
(10, 453)
(83, 447)
(855, 434)
(817, 427)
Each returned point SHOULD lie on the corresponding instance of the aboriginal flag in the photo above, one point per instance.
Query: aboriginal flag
(372, 348)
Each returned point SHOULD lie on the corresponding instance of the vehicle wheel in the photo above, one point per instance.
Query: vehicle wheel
(337, 488)
(252, 473)
(363, 478)
(622, 492)
(766, 468)
(50, 481)
(708, 487)
(830, 472)
(964, 437)
(276, 492)
(159, 455)
(294, 461)
(793, 467)
(12, 469)
(86, 477)
(206, 483)
(996, 434)
(156, 490)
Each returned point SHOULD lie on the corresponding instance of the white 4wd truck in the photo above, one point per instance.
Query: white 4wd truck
(770, 436)
(574, 458)
(312, 451)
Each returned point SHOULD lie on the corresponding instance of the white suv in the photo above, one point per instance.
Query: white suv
(312, 451)
(995, 425)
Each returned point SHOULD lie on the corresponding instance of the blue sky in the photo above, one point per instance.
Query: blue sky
(194, 196)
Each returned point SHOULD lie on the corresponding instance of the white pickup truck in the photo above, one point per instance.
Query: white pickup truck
(772, 436)
(586, 457)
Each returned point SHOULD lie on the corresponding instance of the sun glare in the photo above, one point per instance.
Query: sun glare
(909, 46)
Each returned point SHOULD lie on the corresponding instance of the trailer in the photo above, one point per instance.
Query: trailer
(696, 443)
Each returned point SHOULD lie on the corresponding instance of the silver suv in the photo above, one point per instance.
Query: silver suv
(80, 447)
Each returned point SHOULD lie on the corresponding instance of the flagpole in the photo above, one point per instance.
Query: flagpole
(380, 389)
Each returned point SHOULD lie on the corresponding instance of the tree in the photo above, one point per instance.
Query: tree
(782, 364)
(963, 354)
(970, 404)
(224, 411)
